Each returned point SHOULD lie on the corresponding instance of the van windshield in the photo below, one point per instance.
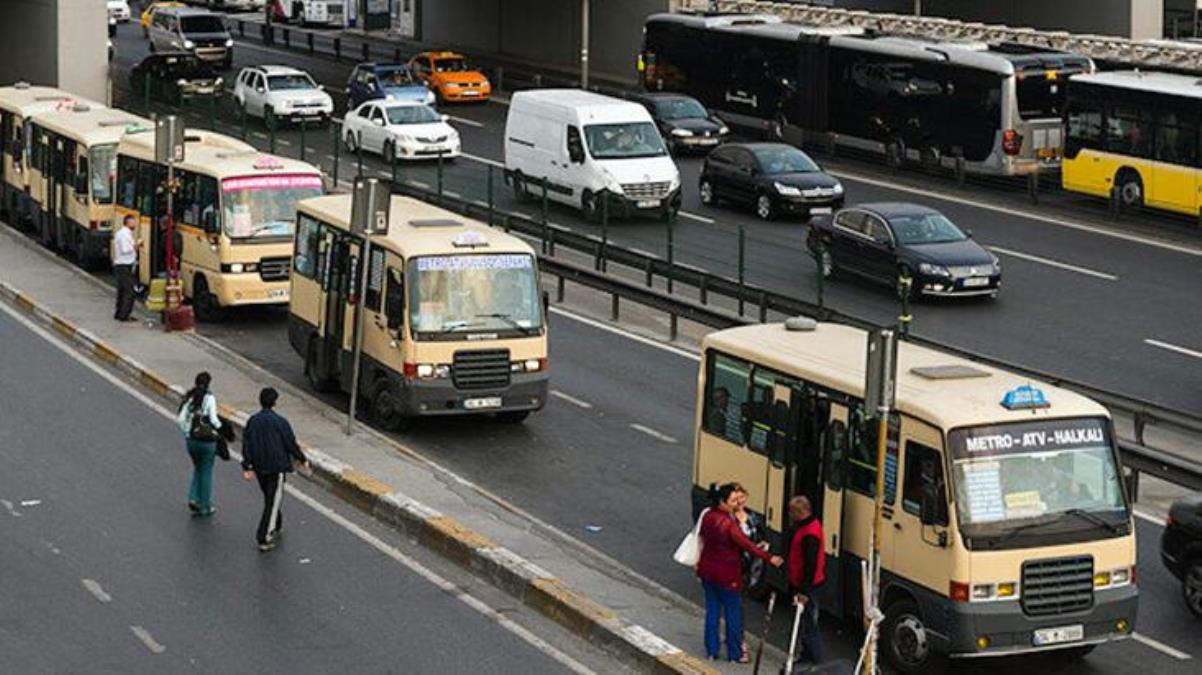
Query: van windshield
(200, 24)
(454, 296)
(624, 141)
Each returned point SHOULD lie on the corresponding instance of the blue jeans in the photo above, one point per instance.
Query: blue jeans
(201, 490)
(808, 635)
(723, 602)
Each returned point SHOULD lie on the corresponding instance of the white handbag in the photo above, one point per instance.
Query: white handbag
(689, 551)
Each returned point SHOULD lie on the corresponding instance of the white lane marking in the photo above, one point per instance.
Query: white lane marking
(464, 120)
(1174, 348)
(571, 399)
(1054, 263)
(693, 216)
(625, 333)
(415, 566)
(1010, 210)
(452, 194)
(259, 135)
(284, 141)
(421, 184)
(30, 502)
(483, 160)
(1161, 647)
(657, 435)
(1147, 517)
(147, 639)
(8, 506)
(96, 590)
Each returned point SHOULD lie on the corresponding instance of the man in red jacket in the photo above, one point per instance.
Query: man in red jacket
(807, 572)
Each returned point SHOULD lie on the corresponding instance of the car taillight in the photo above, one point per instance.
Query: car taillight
(1012, 142)
(957, 591)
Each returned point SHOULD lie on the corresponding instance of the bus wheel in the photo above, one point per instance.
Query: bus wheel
(204, 303)
(385, 408)
(318, 381)
(513, 416)
(907, 644)
(1131, 189)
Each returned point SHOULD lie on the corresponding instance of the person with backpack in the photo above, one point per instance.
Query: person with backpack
(201, 427)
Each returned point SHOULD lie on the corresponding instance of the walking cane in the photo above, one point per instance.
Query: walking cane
(759, 651)
(793, 640)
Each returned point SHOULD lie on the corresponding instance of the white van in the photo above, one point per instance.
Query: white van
(588, 146)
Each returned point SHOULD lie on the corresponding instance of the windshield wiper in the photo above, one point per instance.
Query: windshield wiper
(507, 318)
(1094, 518)
(1018, 529)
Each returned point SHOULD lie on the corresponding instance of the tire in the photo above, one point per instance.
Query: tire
(1131, 189)
(384, 407)
(1191, 587)
(513, 416)
(764, 208)
(204, 304)
(519, 187)
(706, 191)
(349, 142)
(905, 642)
(317, 381)
(589, 207)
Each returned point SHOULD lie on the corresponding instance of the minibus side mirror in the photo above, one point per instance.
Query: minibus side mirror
(210, 222)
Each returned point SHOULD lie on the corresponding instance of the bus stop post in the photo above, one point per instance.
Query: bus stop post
(491, 197)
(602, 252)
(879, 391)
(742, 277)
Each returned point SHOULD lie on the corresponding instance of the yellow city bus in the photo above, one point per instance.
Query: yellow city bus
(1135, 132)
(72, 165)
(235, 213)
(1006, 526)
(453, 320)
(17, 103)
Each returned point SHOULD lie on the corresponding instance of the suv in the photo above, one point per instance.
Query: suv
(1181, 549)
(175, 29)
(175, 76)
(283, 93)
(393, 81)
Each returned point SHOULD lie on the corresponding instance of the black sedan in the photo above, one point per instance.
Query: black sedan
(1181, 549)
(772, 178)
(886, 241)
(684, 123)
(175, 77)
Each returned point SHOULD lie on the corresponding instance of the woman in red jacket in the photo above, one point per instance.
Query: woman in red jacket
(721, 571)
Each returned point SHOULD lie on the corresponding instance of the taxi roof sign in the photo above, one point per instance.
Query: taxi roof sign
(1025, 397)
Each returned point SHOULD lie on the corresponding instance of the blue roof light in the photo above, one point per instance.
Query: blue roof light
(1025, 397)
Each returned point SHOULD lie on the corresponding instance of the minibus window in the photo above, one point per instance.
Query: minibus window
(127, 182)
(102, 164)
(306, 247)
(394, 299)
(375, 280)
(726, 398)
(453, 296)
(862, 446)
(924, 481)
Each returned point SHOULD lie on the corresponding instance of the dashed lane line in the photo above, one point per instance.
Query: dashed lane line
(693, 216)
(579, 403)
(96, 590)
(657, 435)
(1174, 348)
(1161, 647)
(147, 639)
(469, 122)
(625, 333)
(1054, 263)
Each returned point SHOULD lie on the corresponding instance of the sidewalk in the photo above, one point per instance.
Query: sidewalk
(561, 577)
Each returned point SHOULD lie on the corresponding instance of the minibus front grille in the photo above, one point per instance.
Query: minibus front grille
(1057, 585)
(646, 190)
(274, 269)
(481, 369)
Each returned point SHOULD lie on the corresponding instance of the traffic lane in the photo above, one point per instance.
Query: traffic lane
(103, 514)
(1162, 611)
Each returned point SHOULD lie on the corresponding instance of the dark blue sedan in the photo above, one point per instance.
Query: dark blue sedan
(394, 81)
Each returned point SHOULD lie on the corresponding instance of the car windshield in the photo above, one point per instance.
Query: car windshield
(257, 207)
(784, 159)
(624, 141)
(453, 65)
(1033, 471)
(680, 109)
(201, 24)
(102, 166)
(290, 82)
(412, 114)
(925, 228)
(394, 77)
(474, 293)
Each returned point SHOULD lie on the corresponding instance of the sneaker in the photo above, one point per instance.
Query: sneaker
(193, 507)
(265, 547)
(211, 510)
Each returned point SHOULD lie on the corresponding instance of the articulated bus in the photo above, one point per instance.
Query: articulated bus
(999, 106)
(1007, 529)
(17, 104)
(234, 214)
(453, 324)
(72, 165)
(1137, 133)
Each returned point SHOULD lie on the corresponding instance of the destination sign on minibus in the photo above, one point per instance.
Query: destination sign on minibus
(1044, 435)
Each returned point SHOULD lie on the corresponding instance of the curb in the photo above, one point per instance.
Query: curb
(533, 585)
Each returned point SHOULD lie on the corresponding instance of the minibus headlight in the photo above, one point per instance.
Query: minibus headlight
(1119, 577)
(425, 370)
(983, 591)
(442, 371)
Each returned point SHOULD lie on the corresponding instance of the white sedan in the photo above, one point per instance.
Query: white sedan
(119, 10)
(400, 130)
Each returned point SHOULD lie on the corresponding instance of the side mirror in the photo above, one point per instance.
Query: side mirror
(210, 222)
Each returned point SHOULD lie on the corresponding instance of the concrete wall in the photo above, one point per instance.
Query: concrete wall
(57, 43)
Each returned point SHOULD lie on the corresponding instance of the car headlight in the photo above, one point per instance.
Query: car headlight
(188, 44)
(229, 43)
(181, 82)
(724, 130)
(787, 190)
(934, 270)
(683, 133)
(838, 189)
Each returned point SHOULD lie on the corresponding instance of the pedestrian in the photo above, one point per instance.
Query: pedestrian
(125, 256)
(198, 421)
(753, 567)
(807, 573)
(721, 572)
(268, 450)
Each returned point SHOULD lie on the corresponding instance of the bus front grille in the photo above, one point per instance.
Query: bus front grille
(274, 269)
(481, 369)
(1057, 585)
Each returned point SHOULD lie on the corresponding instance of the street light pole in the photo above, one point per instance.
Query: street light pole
(584, 40)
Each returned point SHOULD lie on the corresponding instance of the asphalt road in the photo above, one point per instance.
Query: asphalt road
(103, 569)
(1116, 312)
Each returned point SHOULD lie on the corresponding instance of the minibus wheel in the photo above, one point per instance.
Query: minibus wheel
(385, 408)
(906, 640)
(204, 303)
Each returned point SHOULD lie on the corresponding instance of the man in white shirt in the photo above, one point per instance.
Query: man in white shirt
(125, 256)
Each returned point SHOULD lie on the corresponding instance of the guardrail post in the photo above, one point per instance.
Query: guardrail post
(819, 257)
(1131, 478)
(491, 196)
(960, 168)
(671, 249)
(672, 327)
(1033, 186)
(393, 168)
(396, 54)
(213, 113)
(287, 38)
(560, 283)
(242, 117)
(546, 228)
(1115, 204)
(650, 272)
(500, 83)
(763, 306)
(359, 159)
(613, 307)
(905, 283)
(1139, 422)
(309, 39)
(146, 93)
(241, 29)
(338, 49)
(271, 130)
(601, 250)
(703, 290)
(742, 266)
(336, 130)
(303, 125)
(366, 49)
(440, 175)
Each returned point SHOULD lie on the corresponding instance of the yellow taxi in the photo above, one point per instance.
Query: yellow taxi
(148, 14)
(448, 75)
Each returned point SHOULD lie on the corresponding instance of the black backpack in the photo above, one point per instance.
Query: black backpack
(201, 428)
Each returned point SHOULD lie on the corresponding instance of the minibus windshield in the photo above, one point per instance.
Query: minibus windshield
(624, 141)
(257, 207)
(452, 296)
(102, 166)
(1009, 474)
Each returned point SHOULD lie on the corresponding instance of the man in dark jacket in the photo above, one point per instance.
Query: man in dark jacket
(268, 449)
(807, 572)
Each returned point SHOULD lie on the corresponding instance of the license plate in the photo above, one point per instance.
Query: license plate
(976, 282)
(1053, 636)
(821, 211)
(278, 294)
(471, 93)
(647, 203)
(479, 403)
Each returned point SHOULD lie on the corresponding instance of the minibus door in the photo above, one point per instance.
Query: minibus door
(837, 599)
(338, 288)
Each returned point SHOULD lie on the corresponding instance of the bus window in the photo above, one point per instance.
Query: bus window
(306, 247)
(726, 397)
(924, 481)
(102, 160)
(1127, 131)
(394, 299)
(375, 280)
(1176, 138)
(1084, 126)
(127, 182)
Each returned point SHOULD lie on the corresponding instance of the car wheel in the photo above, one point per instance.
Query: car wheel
(1131, 189)
(348, 140)
(706, 192)
(907, 643)
(764, 208)
(1191, 587)
(204, 303)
